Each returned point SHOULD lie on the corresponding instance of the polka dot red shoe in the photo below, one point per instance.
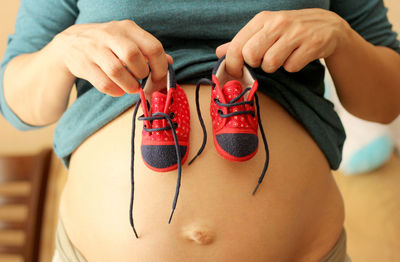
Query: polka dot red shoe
(166, 128)
(235, 119)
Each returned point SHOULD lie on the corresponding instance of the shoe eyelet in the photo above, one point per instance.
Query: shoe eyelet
(172, 115)
(175, 125)
(220, 112)
(216, 100)
(172, 100)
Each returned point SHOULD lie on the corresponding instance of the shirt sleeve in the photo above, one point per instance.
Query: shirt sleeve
(369, 19)
(38, 21)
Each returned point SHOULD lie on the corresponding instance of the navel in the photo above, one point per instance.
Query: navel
(199, 234)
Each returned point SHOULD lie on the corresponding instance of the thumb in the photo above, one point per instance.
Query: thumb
(221, 50)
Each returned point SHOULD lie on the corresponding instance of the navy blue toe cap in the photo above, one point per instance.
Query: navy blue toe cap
(237, 144)
(161, 156)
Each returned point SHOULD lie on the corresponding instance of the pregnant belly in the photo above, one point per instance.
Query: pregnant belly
(296, 214)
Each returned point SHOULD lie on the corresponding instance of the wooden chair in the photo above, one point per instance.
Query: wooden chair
(33, 169)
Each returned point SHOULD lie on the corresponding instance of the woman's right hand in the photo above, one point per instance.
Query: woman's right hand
(112, 56)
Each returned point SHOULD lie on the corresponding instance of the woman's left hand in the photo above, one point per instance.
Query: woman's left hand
(291, 39)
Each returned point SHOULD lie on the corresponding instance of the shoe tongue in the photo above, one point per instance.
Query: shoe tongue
(158, 101)
(231, 90)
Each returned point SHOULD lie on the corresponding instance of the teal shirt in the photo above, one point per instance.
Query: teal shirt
(190, 31)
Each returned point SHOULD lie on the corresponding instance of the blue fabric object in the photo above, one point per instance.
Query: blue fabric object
(370, 156)
(190, 31)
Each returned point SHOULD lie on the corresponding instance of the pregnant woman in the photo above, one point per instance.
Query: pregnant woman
(107, 47)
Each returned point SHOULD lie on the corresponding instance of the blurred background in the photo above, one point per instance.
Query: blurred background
(372, 199)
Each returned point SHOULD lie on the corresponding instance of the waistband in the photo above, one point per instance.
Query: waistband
(65, 250)
(339, 252)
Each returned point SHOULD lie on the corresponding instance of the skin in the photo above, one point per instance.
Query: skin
(297, 214)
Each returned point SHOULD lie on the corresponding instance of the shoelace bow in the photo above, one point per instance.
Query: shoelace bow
(172, 126)
(232, 103)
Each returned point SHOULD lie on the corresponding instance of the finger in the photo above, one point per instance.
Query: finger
(157, 84)
(276, 56)
(131, 56)
(101, 81)
(116, 71)
(170, 59)
(301, 57)
(221, 50)
(234, 57)
(257, 46)
(153, 50)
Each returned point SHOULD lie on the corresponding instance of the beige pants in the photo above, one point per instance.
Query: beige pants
(66, 252)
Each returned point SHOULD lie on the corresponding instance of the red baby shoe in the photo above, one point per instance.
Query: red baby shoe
(235, 115)
(168, 116)
(166, 128)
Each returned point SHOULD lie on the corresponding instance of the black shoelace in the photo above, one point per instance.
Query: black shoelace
(172, 126)
(232, 103)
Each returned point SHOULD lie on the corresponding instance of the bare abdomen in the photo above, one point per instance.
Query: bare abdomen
(296, 215)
